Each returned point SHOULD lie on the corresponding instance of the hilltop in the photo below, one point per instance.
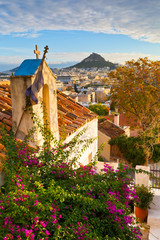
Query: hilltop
(94, 60)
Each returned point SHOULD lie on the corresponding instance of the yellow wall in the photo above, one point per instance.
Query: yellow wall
(102, 138)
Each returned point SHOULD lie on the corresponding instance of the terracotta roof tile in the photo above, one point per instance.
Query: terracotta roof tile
(4, 115)
(71, 114)
(110, 129)
(5, 105)
(8, 122)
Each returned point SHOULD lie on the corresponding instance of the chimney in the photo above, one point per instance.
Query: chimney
(116, 119)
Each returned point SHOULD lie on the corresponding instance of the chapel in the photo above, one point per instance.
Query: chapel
(65, 116)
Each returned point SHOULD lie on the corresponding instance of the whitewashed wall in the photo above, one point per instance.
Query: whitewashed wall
(142, 178)
(91, 132)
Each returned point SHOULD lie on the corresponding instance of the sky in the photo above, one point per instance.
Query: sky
(118, 30)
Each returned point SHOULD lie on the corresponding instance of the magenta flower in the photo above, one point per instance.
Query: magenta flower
(47, 233)
(43, 224)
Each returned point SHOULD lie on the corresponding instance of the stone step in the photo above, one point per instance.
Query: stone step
(156, 200)
(154, 233)
(154, 218)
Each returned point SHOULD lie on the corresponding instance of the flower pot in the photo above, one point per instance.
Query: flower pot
(140, 214)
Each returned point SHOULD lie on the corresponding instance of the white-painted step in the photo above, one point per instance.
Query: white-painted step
(154, 223)
(153, 218)
(154, 233)
(156, 200)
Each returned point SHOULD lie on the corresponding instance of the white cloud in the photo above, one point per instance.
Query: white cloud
(123, 57)
(14, 50)
(11, 59)
(138, 19)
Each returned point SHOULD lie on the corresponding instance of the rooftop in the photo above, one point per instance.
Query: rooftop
(110, 129)
(124, 120)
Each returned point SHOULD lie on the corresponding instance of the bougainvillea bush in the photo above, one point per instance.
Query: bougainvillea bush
(48, 195)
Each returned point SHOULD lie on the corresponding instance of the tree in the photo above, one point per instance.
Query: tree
(99, 109)
(136, 91)
(75, 88)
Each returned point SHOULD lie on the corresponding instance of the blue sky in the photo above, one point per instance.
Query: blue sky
(119, 30)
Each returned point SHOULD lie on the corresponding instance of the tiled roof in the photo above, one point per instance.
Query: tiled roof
(71, 115)
(110, 129)
(5, 104)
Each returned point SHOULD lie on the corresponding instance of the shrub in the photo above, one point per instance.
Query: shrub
(128, 146)
(48, 195)
(132, 149)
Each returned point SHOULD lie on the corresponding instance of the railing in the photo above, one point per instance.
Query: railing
(155, 172)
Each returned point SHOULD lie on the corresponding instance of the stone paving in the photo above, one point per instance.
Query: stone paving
(154, 217)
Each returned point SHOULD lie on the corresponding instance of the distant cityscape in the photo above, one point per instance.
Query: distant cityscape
(84, 84)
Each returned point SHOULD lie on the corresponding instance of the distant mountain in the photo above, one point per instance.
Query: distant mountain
(62, 65)
(94, 60)
(11, 71)
(14, 69)
(3, 74)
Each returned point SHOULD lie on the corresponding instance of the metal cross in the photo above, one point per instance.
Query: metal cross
(37, 52)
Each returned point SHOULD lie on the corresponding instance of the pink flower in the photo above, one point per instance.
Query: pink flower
(43, 224)
(17, 184)
(36, 219)
(36, 202)
(28, 232)
(32, 236)
(47, 233)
